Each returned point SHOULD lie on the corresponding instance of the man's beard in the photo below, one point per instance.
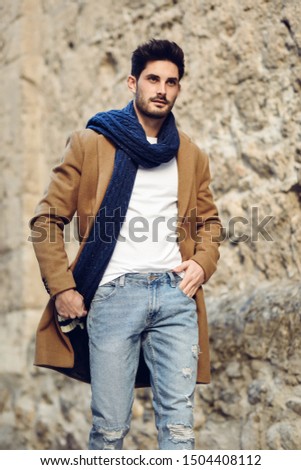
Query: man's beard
(143, 107)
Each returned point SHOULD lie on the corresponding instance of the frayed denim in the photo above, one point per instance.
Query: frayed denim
(152, 312)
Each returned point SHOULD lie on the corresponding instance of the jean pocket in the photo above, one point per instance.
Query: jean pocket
(104, 292)
(192, 299)
(179, 279)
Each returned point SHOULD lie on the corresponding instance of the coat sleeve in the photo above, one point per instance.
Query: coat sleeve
(54, 211)
(206, 221)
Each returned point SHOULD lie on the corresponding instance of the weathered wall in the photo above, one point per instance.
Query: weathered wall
(62, 61)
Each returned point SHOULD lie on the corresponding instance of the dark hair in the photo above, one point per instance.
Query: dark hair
(157, 49)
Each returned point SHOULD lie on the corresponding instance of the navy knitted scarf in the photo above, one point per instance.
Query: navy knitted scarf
(132, 149)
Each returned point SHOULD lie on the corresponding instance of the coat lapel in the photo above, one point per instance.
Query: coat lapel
(105, 166)
(186, 171)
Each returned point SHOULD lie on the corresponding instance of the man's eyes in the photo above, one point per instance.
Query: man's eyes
(170, 82)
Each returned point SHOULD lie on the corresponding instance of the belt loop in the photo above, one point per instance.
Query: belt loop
(172, 278)
(122, 280)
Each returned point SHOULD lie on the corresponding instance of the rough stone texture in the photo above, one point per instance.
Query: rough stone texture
(62, 61)
(256, 363)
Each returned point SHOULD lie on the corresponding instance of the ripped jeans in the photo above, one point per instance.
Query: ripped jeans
(152, 312)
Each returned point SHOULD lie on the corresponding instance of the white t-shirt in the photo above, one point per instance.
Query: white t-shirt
(148, 240)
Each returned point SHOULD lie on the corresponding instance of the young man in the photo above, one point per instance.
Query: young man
(149, 239)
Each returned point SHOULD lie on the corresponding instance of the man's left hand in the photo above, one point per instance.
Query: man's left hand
(194, 277)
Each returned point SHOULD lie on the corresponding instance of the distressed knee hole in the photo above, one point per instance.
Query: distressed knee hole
(110, 436)
(180, 433)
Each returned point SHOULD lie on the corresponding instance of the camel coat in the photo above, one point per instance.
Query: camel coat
(77, 187)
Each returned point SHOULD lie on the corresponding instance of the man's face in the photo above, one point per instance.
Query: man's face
(157, 89)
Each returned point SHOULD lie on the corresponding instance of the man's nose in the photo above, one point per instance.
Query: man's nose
(161, 90)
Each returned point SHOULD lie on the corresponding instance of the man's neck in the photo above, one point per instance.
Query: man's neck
(150, 125)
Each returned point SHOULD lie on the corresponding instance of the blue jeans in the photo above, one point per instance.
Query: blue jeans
(148, 310)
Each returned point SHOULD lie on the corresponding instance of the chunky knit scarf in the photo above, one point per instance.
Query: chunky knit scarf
(132, 149)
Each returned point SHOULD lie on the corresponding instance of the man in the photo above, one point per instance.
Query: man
(149, 239)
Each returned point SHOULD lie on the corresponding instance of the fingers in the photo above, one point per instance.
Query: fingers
(194, 277)
(181, 267)
(70, 304)
(189, 288)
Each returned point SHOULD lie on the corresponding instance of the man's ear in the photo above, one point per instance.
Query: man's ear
(132, 83)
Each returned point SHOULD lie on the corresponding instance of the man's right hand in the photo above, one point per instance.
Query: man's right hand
(70, 304)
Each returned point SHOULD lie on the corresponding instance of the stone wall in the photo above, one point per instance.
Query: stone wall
(61, 61)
